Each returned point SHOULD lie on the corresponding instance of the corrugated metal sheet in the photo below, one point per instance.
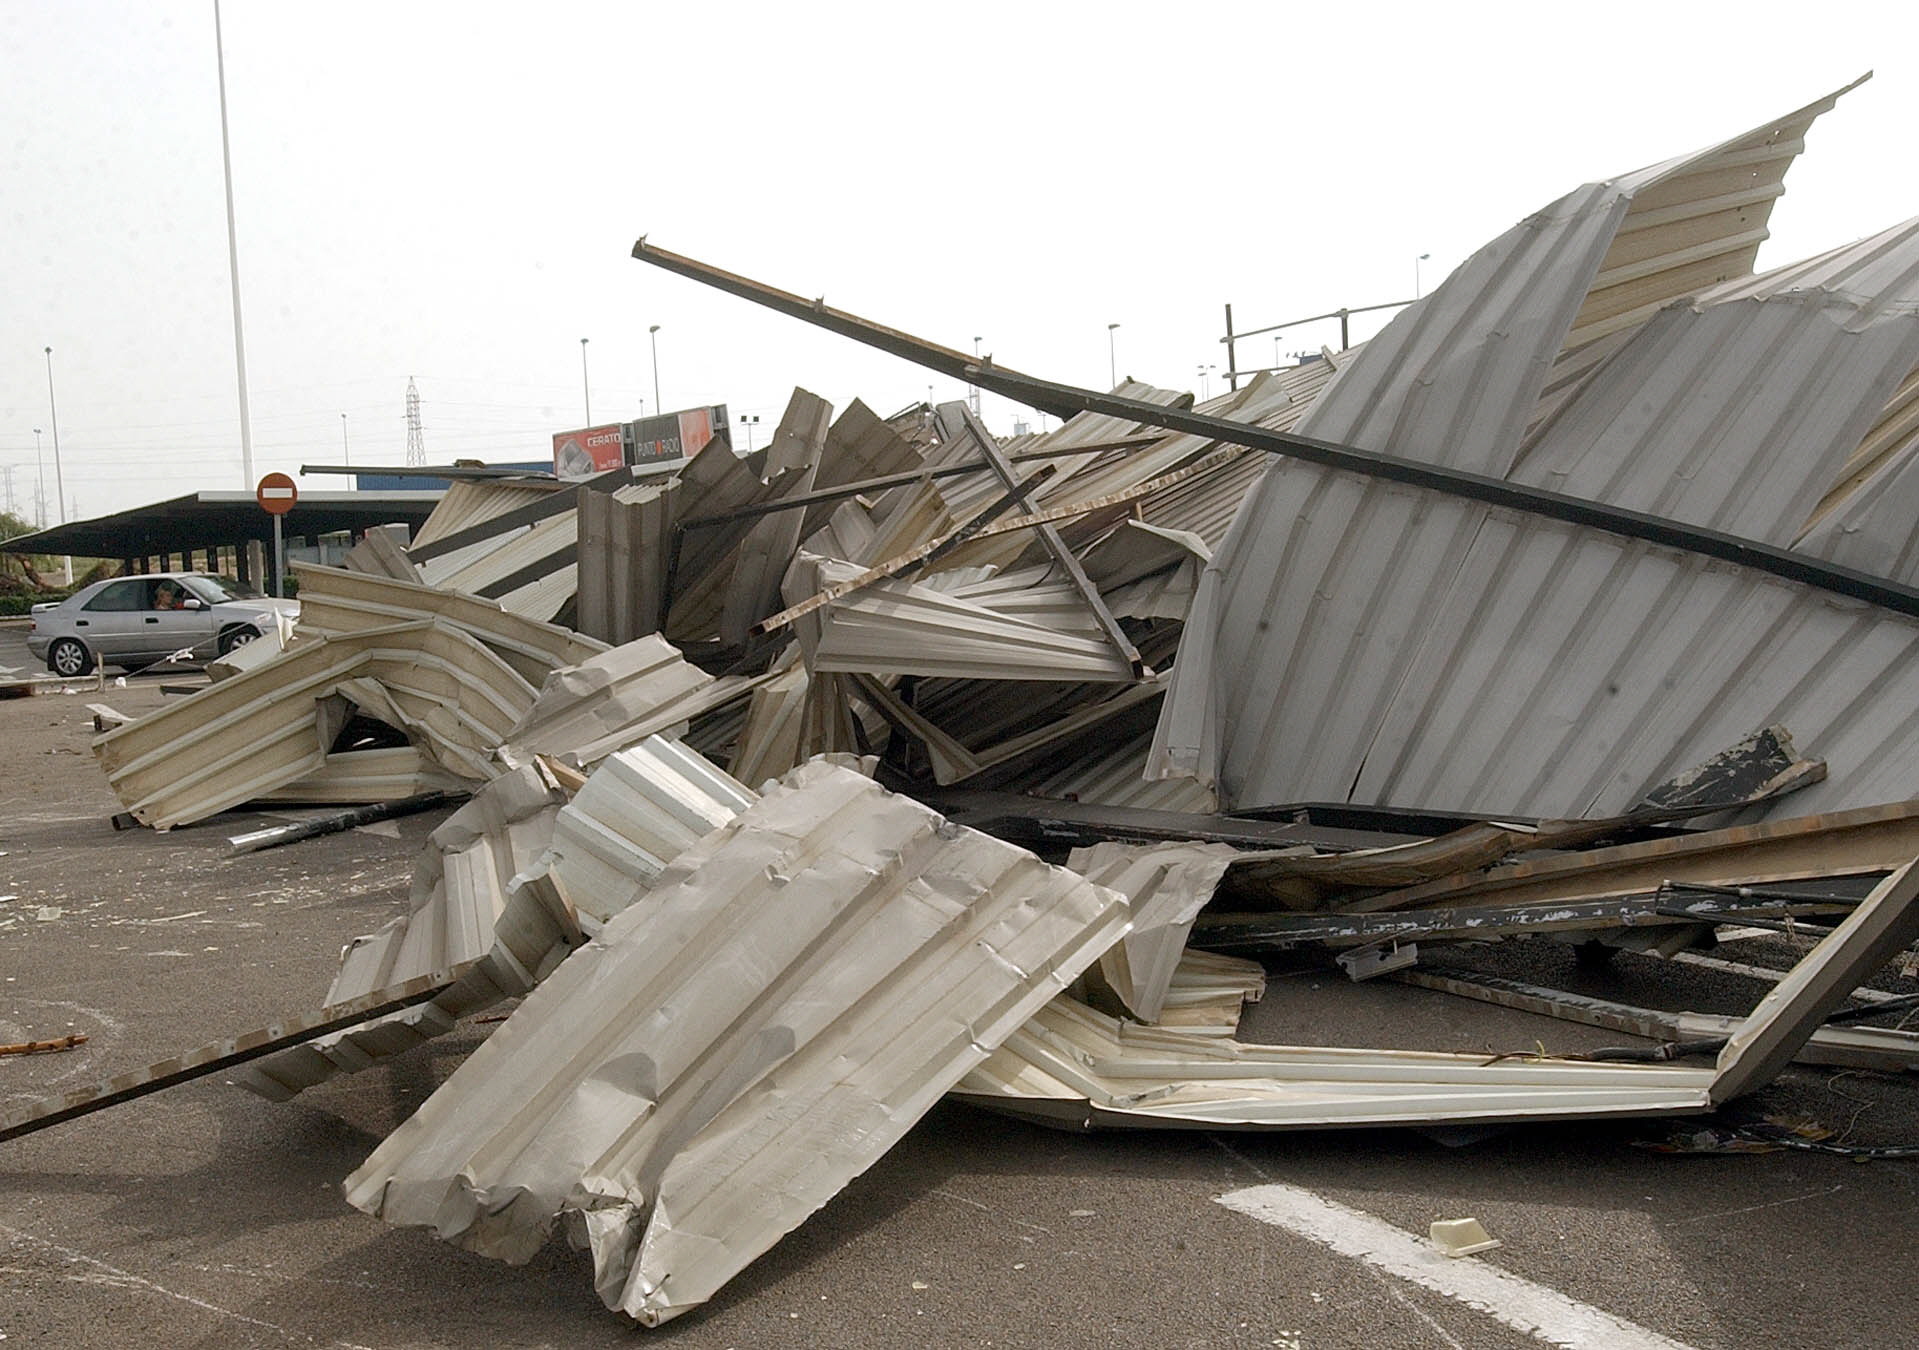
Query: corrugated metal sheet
(334, 601)
(1205, 506)
(271, 726)
(1073, 1066)
(614, 699)
(795, 715)
(479, 566)
(469, 503)
(795, 992)
(640, 809)
(909, 628)
(379, 553)
(623, 548)
(1114, 774)
(1166, 885)
(1455, 377)
(1739, 409)
(1302, 645)
(859, 447)
(547, 598)
(1474, 635)
(1208, 993)
(368, 776)
(730, 570)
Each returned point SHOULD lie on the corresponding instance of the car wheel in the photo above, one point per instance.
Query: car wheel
(236, 637)
(69, 657)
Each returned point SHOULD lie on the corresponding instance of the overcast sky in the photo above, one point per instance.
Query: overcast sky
(452, 191)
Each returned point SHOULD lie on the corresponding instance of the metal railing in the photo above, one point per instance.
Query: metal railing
(1234, 370)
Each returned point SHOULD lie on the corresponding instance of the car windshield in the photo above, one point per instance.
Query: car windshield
(214, 590)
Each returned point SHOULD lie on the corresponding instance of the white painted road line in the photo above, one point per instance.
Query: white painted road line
(1519, 1304)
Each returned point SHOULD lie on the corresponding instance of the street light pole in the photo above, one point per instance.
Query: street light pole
(1112, 362)
(233, 266)
(346, 453)
(586, 390)
(1417, 291)
(59, 477)
(653, 338)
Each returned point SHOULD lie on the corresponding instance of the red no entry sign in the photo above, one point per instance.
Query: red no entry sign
(276, 494)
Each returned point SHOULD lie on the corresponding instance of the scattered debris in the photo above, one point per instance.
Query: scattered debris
(892, 760)
(66, 1042)
(276, 835)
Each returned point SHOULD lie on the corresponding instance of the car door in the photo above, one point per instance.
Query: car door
(112, 623)
(168, 630)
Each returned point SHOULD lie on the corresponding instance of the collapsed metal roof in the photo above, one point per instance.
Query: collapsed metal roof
(1379, 641)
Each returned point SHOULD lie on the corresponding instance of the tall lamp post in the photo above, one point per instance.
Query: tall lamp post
(653, 338)
(749, 423)
(233, 268)
(1112, 362)
(1417, 290)
(586, 390)
(59, 477)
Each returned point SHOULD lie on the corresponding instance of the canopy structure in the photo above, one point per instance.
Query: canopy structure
(203, 520)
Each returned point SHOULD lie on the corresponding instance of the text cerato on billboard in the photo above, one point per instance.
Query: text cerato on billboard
(576, 454)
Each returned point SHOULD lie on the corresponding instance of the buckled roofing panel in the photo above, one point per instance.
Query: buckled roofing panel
(746, 1038)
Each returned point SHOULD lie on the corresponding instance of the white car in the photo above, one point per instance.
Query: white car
(136, 621)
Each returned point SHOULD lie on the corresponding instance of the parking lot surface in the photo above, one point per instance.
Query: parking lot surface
(204, 1216)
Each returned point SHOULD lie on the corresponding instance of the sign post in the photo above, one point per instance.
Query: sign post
(276, 495)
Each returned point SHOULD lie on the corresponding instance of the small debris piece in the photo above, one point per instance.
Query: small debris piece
(105, 718)
(43, 1047)
(1462, 1237)
(1362, 963)
(276, 835)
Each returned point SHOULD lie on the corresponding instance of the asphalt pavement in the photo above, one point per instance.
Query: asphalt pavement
(206, 1217)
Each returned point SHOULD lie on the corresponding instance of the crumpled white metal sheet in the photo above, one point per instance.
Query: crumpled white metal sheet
(265, 728)
(639, 810)
(1075, 1067)
(1167, 885)
(334, 601)
(384, 774)
(750, 1035)
(1079, 1068)
(614, 699)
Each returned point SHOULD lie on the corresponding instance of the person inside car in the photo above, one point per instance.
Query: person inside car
(166, 595)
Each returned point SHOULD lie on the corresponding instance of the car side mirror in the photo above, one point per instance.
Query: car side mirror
(191, 603)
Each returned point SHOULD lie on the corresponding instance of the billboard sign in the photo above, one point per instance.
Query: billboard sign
(677, 435)
(581, 454)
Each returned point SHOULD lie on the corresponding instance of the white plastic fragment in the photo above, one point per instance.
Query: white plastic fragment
(1462, 1237)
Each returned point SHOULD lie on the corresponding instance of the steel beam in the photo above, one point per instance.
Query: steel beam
(1062, 400)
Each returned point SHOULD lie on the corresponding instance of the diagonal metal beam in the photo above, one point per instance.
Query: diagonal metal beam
(221, 1055)
(817, 312)
(1063, 400)
(959, 417)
